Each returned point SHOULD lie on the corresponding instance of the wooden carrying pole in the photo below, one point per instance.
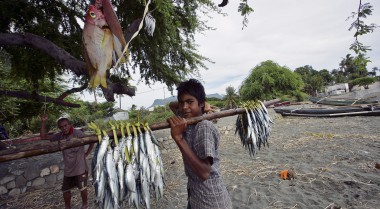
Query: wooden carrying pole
(45, 146)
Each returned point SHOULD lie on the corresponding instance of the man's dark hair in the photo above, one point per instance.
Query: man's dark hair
(63, 119)
(194, 88)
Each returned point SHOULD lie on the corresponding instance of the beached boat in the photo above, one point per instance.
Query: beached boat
(328, 111)
(323, 110)
(341, 102)
(361, 113)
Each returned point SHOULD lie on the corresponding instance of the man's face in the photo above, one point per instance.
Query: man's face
(189, 106)
(64, 126)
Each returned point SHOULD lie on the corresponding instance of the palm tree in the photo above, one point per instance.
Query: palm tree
(231, 98)
(347, 65)
(373, 73)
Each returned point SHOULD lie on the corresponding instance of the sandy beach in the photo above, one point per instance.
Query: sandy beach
(334, 160)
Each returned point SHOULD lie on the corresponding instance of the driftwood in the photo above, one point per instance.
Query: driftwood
(45, 146)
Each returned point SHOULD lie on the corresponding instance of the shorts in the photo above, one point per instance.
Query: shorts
(79, 181)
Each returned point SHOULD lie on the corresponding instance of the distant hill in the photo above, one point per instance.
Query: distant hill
(162, 102)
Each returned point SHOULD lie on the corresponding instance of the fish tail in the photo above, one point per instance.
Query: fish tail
(103, 81)
(92, 82)
(98, 79)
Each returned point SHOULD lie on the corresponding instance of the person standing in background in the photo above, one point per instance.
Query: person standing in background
(74, 159)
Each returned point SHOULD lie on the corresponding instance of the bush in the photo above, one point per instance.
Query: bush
(364, 81)
(300, 96)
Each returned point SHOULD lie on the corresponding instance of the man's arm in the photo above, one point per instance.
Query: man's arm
(210, 108)
(174, 107)
(201, 167)
(89, 150)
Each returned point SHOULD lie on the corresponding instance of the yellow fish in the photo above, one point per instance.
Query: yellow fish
(98, 46)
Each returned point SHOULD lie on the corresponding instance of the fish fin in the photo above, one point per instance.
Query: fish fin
(118, 50)
(113, 22)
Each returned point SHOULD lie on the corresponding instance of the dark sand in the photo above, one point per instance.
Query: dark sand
(334, 159)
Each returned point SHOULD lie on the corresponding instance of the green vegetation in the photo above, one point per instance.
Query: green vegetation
(216, 102)
(364, 81)
(231, 98)
(313, 81)
(159, 114)
(269, 80)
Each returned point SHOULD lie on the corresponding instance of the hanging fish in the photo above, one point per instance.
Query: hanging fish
(113, 180)
(150, 24)
(98, 46)
(126, 170)
(253, 127)
(109, 14)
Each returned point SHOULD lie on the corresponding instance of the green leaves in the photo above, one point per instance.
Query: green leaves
(362, 28)
(244, 10)
(269, 80)
(364, 81)
(231, 98)
(364, 11)
(313, 80)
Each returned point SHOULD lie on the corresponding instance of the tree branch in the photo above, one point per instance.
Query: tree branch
(73, 90)
(37, 97)
(60, 55)
(117, 88)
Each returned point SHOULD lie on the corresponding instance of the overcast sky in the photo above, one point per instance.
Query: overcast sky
(292, 33)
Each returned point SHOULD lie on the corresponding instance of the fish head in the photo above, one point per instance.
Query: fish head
(95, 16)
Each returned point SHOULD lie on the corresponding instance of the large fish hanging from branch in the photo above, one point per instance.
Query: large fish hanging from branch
(114, 25)
(103, 42)
(113, 22)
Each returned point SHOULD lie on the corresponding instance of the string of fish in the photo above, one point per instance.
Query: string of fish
(126, 171)
(254, 126)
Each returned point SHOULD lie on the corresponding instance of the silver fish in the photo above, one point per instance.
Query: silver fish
(145, 192)
(120, 170)
(130, 179)
(129, 144)
(146, 168)
(135, 142)
(159, 161)
(158, 183)
(102, 151)
(151, 155)
(134, 199)
(116, 153)
(101, 186)
(112, 177)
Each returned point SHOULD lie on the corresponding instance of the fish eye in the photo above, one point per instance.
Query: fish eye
(92, 14)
